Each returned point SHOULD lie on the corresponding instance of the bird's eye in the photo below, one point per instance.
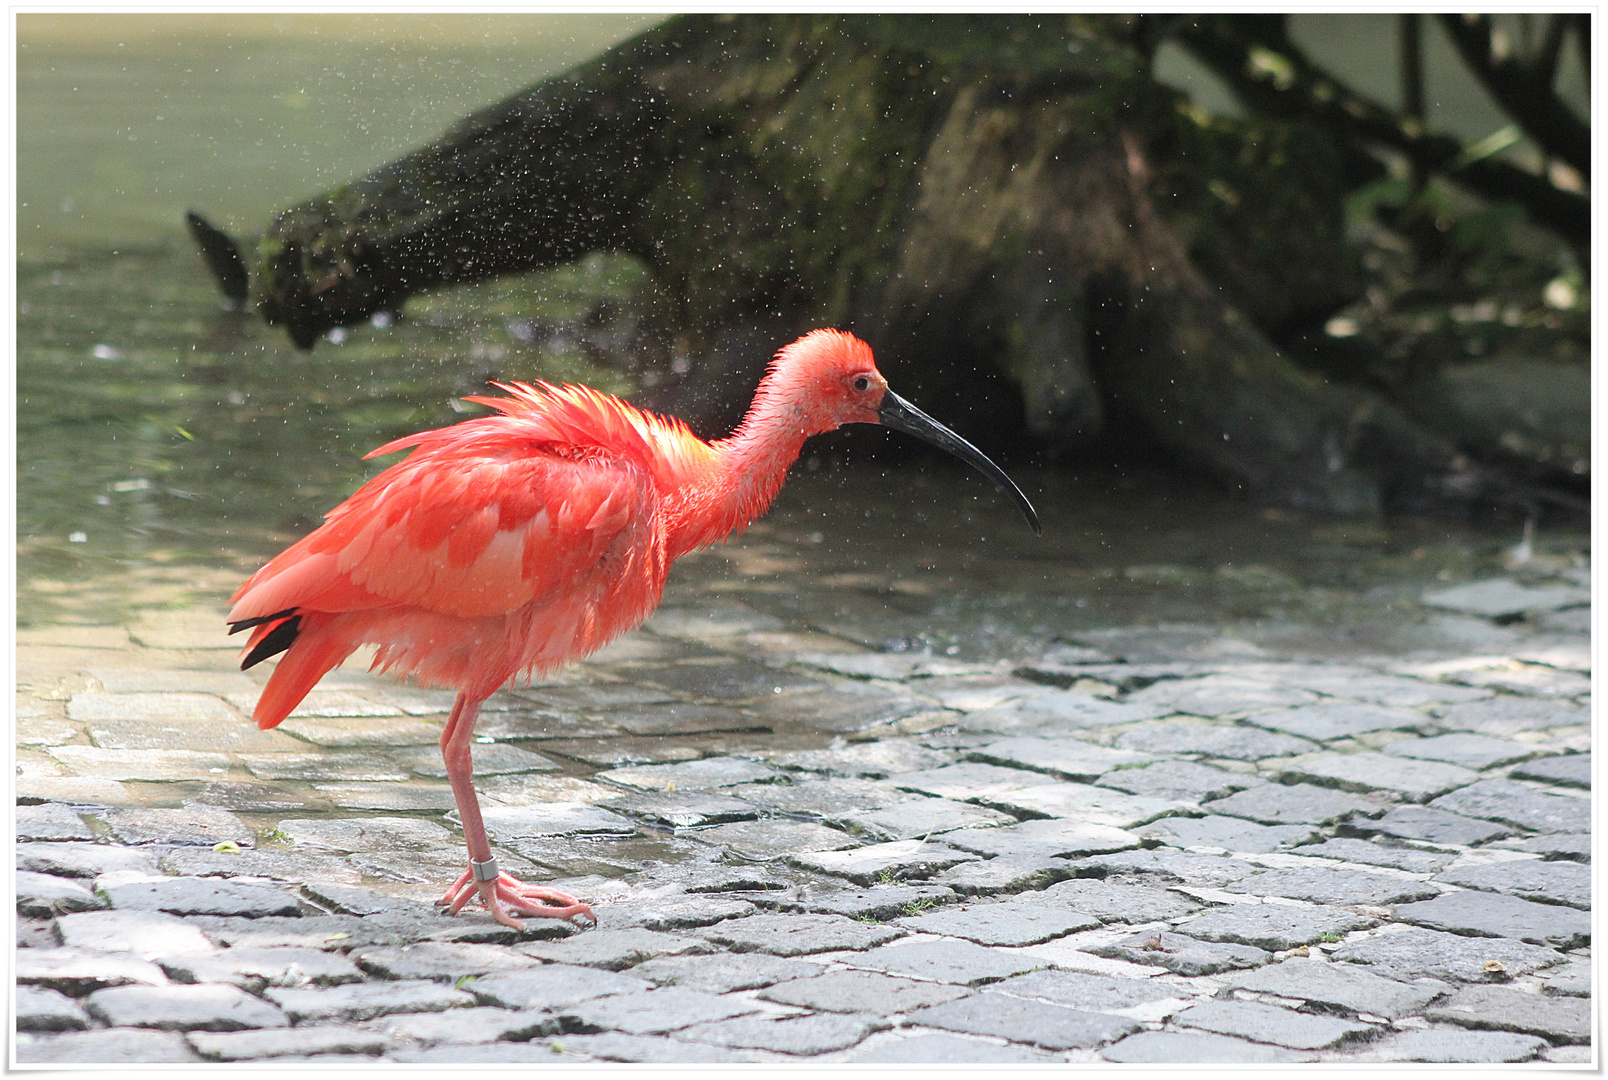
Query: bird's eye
(863, 382)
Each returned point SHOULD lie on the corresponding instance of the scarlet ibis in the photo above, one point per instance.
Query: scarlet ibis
(506, 545)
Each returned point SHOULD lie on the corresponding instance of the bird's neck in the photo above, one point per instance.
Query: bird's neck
(743, 473)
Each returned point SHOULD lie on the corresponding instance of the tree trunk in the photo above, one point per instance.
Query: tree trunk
(1008, 208)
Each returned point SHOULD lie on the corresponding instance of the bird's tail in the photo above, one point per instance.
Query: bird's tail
(312, 642)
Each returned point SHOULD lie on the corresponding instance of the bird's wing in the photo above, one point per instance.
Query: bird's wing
(466, 530)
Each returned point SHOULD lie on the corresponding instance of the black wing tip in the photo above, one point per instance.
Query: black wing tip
(246, 624)
(276, 641)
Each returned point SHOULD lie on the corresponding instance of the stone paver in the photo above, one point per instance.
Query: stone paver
(1571, 769)
(45, 895)
(1418, 952)
(463, 1027)
(918, 818)
(442, 961)
(1341, 986)
(366, 1000)
(800, 1035)
(1461, 748)
(51, 821)
(947, 961)
(1268, 1023)
(355, 766)
(42, 1009)
(773, 839)
(1572, 846)
(798, 935)
(77, 860)
(178, 707)
(1168, 865)
(653, 1012)
(614, 1046)
(352, 732)
(1502, 1008)
(1222, 740)
(551, 986)
(723, 973)
(1572, 981)
(1220, 695)
(1072, 759)
(1519, 804)
(875, 903)
(1442, 1045)
(1006, 923)
(145, 932)
(1025, 1020)
(1505, 715)
(1339, 720)
(1498, 915)
(896, 859)
(1088, 805)
(863, 992)
(1180, 1047)
(1115, 901)
(1004, 874)
(673, 912)
(1321, 886)
(614, 950)
(107, 1046)
(555, 819)
(205, 1007)
(948, 1050)
(1181, 954)
(970, 781)
(682, 809)
(287, 1042)
(702, 775)
(198, 896)
(1532, 879)
(885, 757)
(1179, 780)
(1044, 837)
(1433, 825)
(1055, 712)
(199, 825)
(1080, 990)
(1228, 833)
(254, 969)
(818, 798)
(79, 971)
(1413, 860)
(1411, 780)
(366, 834)
(1292, 804)
(1273, 926)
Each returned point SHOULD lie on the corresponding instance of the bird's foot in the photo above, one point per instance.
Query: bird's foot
(505, 895)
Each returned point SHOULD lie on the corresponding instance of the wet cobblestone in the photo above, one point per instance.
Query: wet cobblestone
(1137, 843)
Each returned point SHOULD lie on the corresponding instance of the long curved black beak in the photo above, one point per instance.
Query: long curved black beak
(899, 414)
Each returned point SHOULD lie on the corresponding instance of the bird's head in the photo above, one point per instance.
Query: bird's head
(828, 378)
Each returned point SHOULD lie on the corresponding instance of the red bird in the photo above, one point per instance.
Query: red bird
(507, 545)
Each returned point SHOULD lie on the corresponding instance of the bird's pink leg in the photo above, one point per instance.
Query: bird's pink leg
(498, 891)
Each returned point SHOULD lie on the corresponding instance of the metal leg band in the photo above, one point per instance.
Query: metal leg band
(483, 871)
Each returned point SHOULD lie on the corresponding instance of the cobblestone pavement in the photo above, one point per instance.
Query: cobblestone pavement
(1134, 843)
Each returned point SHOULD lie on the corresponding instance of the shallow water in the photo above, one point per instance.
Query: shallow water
(151, 424)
